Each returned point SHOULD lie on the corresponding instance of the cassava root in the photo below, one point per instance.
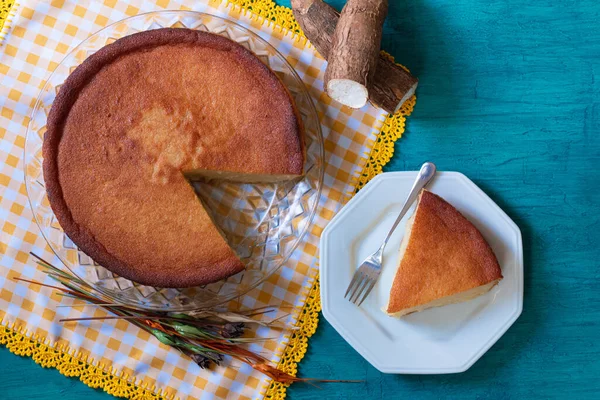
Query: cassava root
(355, 51)
(391, 84)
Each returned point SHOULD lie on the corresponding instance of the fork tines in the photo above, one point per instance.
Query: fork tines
(363, 281)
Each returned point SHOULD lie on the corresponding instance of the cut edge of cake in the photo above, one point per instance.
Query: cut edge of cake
(200, 175)
(444, 301)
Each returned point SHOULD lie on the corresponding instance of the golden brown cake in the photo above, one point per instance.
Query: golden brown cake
(443, 260)
(137, 114)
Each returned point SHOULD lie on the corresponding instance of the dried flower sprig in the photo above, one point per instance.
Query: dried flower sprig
(206, 335)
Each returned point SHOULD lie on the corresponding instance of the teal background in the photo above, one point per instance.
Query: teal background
(509, 95)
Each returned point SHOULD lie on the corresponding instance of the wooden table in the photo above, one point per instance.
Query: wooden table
(510, 96)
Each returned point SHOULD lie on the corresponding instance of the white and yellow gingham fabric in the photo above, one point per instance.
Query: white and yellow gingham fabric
(40, 35)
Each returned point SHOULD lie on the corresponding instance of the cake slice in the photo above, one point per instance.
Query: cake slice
(444, 259)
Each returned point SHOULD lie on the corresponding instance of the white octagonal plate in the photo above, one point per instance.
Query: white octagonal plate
(441, 340)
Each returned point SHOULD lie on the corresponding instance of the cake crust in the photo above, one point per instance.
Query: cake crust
(131, 118)
(445, 255)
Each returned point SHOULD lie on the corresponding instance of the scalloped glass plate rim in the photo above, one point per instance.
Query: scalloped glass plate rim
(178, 13)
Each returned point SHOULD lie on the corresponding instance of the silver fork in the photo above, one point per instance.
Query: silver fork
(366, 275)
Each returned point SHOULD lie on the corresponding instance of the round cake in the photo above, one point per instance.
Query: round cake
(138, 114)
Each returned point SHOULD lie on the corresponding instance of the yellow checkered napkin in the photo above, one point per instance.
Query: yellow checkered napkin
(41, 34)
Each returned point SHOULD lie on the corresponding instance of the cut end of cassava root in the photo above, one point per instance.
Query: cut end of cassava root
(407, 95)
(348, 92)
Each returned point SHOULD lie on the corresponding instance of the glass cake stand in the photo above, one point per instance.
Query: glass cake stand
(264, 223)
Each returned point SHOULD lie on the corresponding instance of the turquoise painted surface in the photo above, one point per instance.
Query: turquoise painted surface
(510, 96)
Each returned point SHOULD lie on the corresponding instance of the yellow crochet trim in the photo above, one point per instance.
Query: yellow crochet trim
(72, 364)
(95, 375)
(8, 10)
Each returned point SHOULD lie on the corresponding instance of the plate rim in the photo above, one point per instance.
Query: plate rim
(356, 344)
(251, 31)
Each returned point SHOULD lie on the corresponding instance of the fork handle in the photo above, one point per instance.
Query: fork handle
(425, 174)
